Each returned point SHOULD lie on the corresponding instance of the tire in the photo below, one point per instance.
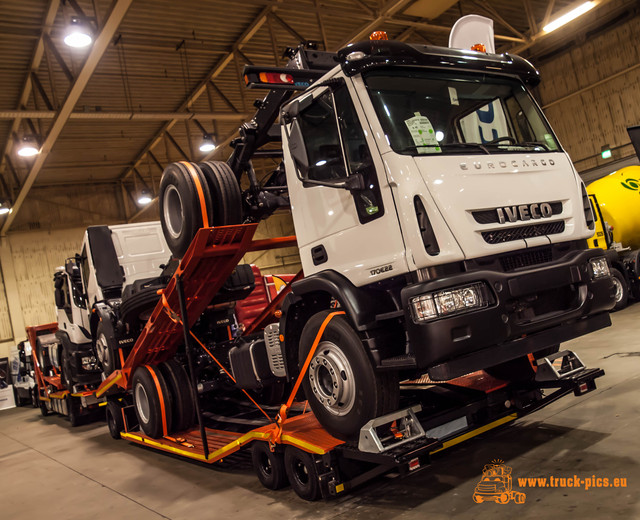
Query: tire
(114, 419)
(302, 473)
(66, 368)
(622, 289)
(16, 398)
(43, 409)
(33, 393)
(151, 400)
(269, 466)
(225, 193)
(134, 308)
(74, 411)
(341, 364)
(183, 410)
(106, 351)
(181, 209)
(519, 369)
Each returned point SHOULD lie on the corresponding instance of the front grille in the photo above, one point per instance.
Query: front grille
(526, 259)
(500, 236)
(490, 216)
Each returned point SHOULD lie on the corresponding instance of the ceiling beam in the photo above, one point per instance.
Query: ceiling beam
(388, 10)
(98, 48)
(38, 53)
(226, 59)
(443, 29)
(127, 116)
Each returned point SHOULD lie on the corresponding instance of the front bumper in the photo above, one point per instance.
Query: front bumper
(543, 305)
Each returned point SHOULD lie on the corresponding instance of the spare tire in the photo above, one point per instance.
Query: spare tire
(225, 193)
(185, 205)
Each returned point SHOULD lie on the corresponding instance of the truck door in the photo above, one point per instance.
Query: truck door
(352, 231)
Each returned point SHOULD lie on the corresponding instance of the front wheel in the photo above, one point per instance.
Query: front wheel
(343, 389)
(622, 289)
(105, 350)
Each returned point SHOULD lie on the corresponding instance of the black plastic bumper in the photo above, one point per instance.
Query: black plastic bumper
(532, 309)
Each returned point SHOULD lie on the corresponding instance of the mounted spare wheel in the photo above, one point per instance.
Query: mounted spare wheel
(226, 197)
(152, 401)
(185, 205)
(343, 389)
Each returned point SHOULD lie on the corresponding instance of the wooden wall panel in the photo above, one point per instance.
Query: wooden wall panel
(36, 256)
(598, 115)
(6, 332)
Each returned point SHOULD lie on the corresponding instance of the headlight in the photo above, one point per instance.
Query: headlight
(599, 267)
(450, 301)
(88, 362)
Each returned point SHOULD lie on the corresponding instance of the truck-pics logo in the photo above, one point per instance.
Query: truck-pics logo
(496, 485)
(524, 212)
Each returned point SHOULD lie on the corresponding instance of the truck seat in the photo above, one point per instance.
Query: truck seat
(248, 309)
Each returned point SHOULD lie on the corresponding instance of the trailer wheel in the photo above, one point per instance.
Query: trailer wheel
(622, 289)
(152, 401)
(342, 387)
(105, 351)
(184, 411)
(43, 409)
(302, 473)
(114, 419)
(73, 409)
(33, 393)
(225, 193)
(181, 207)
(269, 466)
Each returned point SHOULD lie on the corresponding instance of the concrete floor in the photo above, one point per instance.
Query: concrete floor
(46, 468)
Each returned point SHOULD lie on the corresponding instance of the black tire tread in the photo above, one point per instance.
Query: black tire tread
(225, 192)
(153, 428)
(183, 409)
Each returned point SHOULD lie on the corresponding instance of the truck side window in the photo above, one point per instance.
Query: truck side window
(322, 141)
(369, 201)
(336, 147)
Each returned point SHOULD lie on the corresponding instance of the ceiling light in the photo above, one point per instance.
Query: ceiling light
(571, 15)
(439, 135)
(207, 144)
(78, 34)
(144, 198)
(28, 147)
(5, 207)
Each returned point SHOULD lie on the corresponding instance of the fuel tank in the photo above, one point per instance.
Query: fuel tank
(618, 196)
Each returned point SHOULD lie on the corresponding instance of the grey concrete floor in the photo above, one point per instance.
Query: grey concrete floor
(48, 469)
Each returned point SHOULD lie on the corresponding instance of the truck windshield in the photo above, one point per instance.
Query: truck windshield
(426, 112)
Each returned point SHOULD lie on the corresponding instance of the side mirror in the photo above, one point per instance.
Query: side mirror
(297, 149)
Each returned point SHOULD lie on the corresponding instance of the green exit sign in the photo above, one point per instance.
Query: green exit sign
(606, 154)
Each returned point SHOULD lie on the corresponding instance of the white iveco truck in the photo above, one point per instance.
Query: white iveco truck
(433, 205)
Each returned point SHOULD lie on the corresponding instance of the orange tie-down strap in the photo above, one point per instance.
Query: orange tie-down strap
(200, 190)
(276, 431)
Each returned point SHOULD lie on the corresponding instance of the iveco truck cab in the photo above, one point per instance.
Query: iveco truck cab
(432, 202)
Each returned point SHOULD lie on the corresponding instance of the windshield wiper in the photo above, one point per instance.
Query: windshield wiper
(537, 146)
(446, 146)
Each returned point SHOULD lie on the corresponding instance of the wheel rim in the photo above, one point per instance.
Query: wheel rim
(173, 210)
(142, 403)
(332, 380)
(102, 350)
(301, 472)
(618, 285)
(265, 465)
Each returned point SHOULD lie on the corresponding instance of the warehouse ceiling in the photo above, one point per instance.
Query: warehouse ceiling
(161, 73)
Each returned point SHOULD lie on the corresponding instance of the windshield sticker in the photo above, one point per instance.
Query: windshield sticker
(550, 142)
(453, 95)
(422, 133)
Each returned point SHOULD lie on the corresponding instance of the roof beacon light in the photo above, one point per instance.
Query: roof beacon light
(571, 15)
(378, 35)
(479, 47)
(78, 34)
(207, 144)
